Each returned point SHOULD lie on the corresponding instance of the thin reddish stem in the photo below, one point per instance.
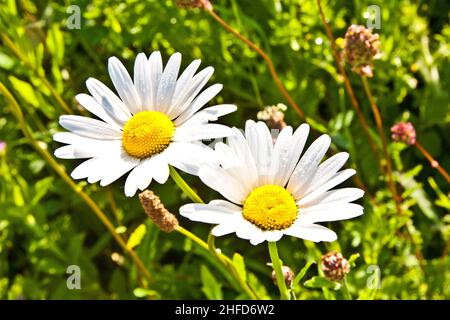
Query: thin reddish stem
(432, 161)
(266, 58)
(347, 83)
(379, 124)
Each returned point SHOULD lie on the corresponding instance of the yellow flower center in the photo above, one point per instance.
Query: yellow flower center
(270, 207)
(147, 133)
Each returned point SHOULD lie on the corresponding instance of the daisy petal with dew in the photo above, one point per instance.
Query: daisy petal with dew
(155, 120)
(275, 189)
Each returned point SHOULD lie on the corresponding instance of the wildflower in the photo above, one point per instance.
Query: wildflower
(361, 47)
(155, 123)
(335, 266)
(404, 132)
(273, 116)
(189, 4)
(155, 209)
(271, 191)
(288, 275)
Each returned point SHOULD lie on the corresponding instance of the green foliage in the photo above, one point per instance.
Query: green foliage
(45, 227)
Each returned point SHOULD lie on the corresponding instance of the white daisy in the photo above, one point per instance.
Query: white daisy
(271, 191)
(155, 123)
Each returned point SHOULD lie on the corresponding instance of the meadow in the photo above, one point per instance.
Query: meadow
(283, 62)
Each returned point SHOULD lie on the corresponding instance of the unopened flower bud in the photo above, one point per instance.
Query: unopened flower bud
(361, 47)
(189, 4)
(404, 132)
(334, 266)
(288, 275)
(273, 116)
(155, 209)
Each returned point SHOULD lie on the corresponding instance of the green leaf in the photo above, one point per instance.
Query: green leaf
(322, 282)
(137, 236)
(211, 287)
(302, 273)
(352, 259)
(238, 262)
(25, 90)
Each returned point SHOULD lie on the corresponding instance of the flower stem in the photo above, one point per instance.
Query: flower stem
(432, 161)
(266, 58)
(223, 259)
(347, 83)
(15, 108)
(379, 124)
(277, 266)
(345, 290)
(228, 263)
(184, 186)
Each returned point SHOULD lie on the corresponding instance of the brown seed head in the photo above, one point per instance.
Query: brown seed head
(334, 266)
(361, 47)
(155, 209)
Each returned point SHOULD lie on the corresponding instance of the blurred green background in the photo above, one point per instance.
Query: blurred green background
(45, 226)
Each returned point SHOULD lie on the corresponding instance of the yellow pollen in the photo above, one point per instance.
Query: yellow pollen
(147, 133)
(270, 207)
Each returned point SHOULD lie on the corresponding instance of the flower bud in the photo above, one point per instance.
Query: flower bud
(273, 116)
(288, 275)
(160, 216)
(189, 4)
(361, 47)
(404, 132)
(334, 266)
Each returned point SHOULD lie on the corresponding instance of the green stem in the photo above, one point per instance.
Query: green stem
(277, 266)
(17, 111)
(223, 259)
(184, 186)
(345, 290)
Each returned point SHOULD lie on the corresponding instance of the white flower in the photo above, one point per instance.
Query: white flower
(155, 123)
(271, 191)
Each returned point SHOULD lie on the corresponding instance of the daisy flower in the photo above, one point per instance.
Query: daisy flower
(272, 191)
(155, 122)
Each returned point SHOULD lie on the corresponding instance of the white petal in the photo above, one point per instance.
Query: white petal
(159, 168)
(273, 235)
(201, 132)
(124, 85)
(183, 83)
(183, 101)
(167, 83)
(329, 212)
(131, 184)
(337, 179)
(223, 229)
(143, 80)
(339, 195)
(207, 213)
(307, 165)
(260, 143)
(287, 151)
(188, 156)
(208, 114)
(224, 183)
(108, 100)
(118, 167)
(311, 232)
(91, 105)
(90, 128)
(87, 168)
(202, 99)
(327, 170)
(156, 67)
(226, 204)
